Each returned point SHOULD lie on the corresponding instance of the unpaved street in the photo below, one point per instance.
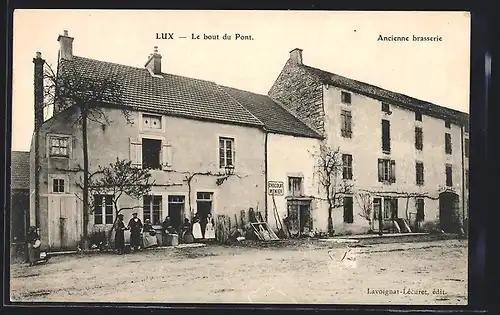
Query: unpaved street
(309, 272)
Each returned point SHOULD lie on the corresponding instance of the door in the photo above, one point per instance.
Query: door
(176, 210)
(204, 207)
(64, 222)
(305, 218)
(448, 212)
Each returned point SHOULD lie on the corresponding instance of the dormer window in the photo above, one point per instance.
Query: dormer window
(151, 121)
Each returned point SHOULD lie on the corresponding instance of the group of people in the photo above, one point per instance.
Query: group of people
(136, 227)
(200, 229)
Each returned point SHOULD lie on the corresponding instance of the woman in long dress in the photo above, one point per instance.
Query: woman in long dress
(33, 246)
(197, 228)
(149, 235)
(209, 228)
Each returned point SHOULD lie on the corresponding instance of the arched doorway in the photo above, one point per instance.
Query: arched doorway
(448, 212)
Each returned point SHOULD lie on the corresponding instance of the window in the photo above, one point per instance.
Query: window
(447, 143)
(348, 211)
(386, 136)
(466, 128)
(152, 209)
(346, 166)
(386, 170)
(386, 108)
(151, 154)
(103, 209)
(420, 209)
(204, 196)
(377, 204)
(449, 173)
(466, 147)
(226, 152)
(295, 186)
(58, 185)
(390, 208)
(419, 143)
(467, 179)
(59, 146)
(345, 97)
(447, 124)
(151, 121)
(346, 123)
(418, 116)
(419, 169)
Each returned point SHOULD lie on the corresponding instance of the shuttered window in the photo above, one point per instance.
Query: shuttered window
(447, 143)
(419, 143)
(386, 136)
(151, 153)
(346, 124)
(386, 170)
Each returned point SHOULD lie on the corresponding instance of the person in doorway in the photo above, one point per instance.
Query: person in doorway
(197, 228)
(149, 235)
(135, 226)
(120, 235)
(34, 243)
(209, 228)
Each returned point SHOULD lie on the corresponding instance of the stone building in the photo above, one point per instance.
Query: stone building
(410, 157)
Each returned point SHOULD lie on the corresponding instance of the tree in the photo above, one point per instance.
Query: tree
(118, 179)
(365, 202)
(88, 94)
(329, 170)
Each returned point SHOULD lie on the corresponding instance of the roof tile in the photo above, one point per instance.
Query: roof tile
(168, 94)
(274, 116)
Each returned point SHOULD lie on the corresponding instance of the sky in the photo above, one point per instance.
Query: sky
(344, 43)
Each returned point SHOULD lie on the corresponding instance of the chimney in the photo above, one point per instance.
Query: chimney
(38, 84)
(66, 42)
(296, 56)
(154, 62)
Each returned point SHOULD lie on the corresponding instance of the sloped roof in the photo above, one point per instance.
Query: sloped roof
(275, 118)
(20, 170)
(167, 94)
(386, 95)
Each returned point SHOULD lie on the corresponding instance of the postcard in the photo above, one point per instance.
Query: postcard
(298, 157)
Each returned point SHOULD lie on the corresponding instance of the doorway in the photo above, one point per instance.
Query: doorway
(299, 216)
(448, 212)
(203, 208)
(176, 211)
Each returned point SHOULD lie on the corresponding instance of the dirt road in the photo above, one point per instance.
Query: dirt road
(311, 272)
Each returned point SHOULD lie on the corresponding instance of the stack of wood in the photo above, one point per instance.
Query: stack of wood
(223, 228)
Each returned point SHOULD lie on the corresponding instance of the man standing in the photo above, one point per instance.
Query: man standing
(135, 226)
(120, 234)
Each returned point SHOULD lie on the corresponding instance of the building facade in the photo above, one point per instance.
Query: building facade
(406, 159)
(210, 149)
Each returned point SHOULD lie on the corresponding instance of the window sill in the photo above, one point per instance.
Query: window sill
(59, 156)
(386, 151)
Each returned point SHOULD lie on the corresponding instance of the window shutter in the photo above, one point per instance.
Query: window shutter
(136, 152)
(393, 171)
(166, 154)
(380, 170)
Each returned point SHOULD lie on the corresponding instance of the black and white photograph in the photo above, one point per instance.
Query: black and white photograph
(250, 157)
